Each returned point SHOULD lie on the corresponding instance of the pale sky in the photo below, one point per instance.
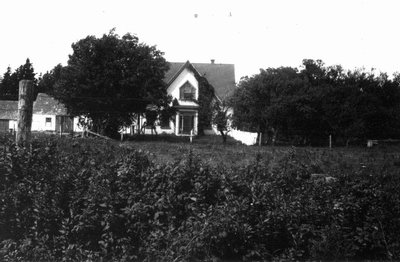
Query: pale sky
(250, 34)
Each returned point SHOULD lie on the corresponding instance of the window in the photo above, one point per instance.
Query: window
(187, 92)
(48, 122)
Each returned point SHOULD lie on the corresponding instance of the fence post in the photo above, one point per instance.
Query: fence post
(25, 108)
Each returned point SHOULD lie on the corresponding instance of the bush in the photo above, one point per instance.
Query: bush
(77, 200)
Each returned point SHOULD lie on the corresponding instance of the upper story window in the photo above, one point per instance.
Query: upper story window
(187, 92)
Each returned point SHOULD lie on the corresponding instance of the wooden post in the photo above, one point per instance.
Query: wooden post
(25, 108)
(330, 141)
(191, 136)
(260, 139)
(15, 132)
(138, 124)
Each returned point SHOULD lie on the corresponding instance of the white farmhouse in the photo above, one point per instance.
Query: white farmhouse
(184, 83)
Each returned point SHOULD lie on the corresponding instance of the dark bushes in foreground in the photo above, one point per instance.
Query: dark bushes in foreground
(72, 201)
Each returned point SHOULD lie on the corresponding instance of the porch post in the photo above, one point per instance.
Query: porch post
(196, 120)
(177, 124)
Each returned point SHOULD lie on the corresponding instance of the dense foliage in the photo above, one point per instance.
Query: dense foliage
(9, 85)
(79, 200)
(206, 97)
(221, 118)
(306, 106)
(110, 79)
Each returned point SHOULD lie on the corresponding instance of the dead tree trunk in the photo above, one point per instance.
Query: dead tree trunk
(25, 107)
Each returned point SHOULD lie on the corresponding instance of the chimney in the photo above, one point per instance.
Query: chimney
(212, 61)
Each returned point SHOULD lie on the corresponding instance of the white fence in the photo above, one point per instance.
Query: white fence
(247, 138)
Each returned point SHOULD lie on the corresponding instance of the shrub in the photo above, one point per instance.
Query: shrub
(75, 200)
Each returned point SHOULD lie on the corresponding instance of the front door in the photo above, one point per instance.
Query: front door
(186, 123)
(64, 124)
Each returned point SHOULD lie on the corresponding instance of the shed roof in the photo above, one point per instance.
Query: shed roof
(8, 109)
(44, 105)
(220, 76)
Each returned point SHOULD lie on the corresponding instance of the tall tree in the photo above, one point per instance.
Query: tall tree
(6, 84)
(10, 83)
(109, 79)
(48, 80)
(258, 103)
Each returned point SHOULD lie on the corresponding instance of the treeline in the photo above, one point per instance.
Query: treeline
(304, 106)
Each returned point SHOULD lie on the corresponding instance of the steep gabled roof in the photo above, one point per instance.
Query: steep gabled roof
(220, 76)
(46, 105)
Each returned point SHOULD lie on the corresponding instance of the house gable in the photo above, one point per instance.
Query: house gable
(220, 76)
(46, 105)
(186, 76)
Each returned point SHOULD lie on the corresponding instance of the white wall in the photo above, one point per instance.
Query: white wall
(77, 127)
(165, 131)
(39, 123)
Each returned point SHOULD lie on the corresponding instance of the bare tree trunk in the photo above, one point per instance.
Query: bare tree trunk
(259, 134)
(223, 136)
(138, 124)
(274, 135)
(25, 107)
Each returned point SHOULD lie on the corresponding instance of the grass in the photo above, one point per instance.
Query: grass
(167, 148)
(211, 150)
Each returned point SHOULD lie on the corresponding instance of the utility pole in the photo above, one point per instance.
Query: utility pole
(25, 108)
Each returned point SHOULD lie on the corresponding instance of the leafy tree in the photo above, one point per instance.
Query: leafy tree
(205, 100)
(110, 79)
(259, 103)
(221, 118)
(49, 79)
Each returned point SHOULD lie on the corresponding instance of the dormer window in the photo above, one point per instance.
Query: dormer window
(187, 91)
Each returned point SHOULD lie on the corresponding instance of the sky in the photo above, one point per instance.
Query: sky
(251, 34)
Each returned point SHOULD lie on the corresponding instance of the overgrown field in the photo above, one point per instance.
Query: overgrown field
(83, 200)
